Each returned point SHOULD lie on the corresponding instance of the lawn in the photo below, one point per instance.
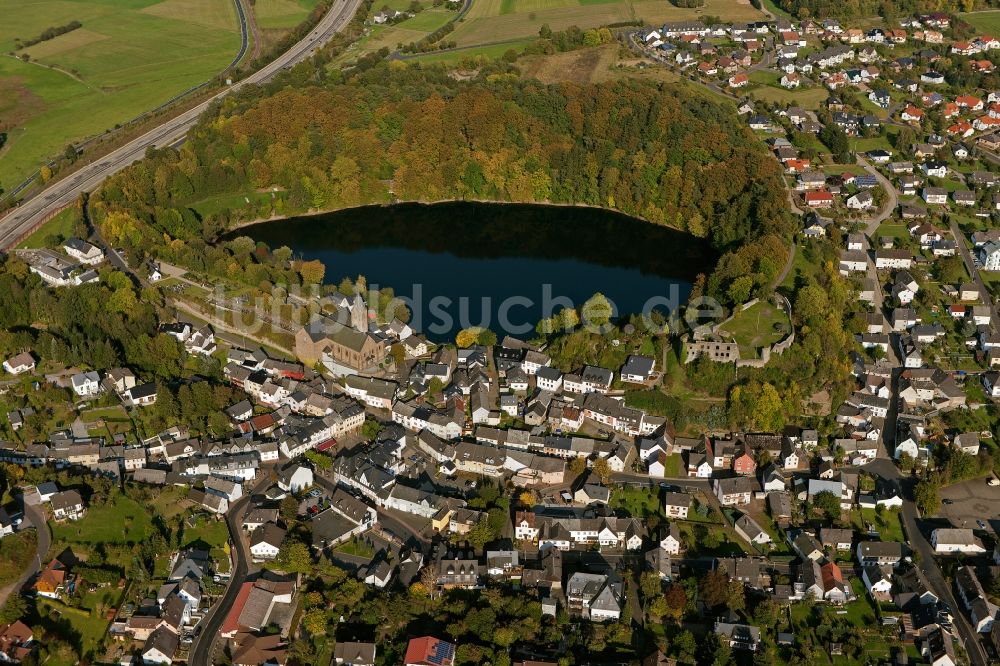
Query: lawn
(807, 98)
(91, 628)
(215, 204)
(86, 81)
(758, 326)
(208, 533)
(728, 543)
(356, 547)
(897, 231)
(115, 413)
(860, 612)
(60, 227)
(167, 502)
(871, 143)
(889, 525)
(672, 467)
(120, 521)
(801, 266)
(640, 502)
(428, 20)
(499, 20)
(16, 552)
(991, 279)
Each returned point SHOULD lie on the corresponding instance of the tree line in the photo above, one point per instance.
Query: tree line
(886, 8)
(47, 34)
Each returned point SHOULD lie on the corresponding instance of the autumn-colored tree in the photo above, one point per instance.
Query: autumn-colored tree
(597, 311)
(468, 336)
(602, 468)
(577, 465)
(714, 588)
(311, 272)
(676, 601)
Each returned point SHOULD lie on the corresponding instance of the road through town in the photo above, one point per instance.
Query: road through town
(204, 647)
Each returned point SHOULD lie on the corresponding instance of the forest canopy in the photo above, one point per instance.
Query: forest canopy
(886, 8)
(664, 153)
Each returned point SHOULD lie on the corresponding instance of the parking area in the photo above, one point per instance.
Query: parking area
(970, 501)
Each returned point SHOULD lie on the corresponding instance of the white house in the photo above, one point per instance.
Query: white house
(265, 542)
(676, 505)
(141, 395)
(17, 365)
(952, 540)
(671, 543)
(861, 201)
(597, 597)
(86, 384)
(748, 528)
(161, 646)
(83, 251)
(67, 505)
(6, 524)
(231, 490)
(295, 478)
(549, 379)
(637, 369)
(878, 580)
(989, 256)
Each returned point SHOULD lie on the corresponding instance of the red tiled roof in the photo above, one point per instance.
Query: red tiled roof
(232, 623)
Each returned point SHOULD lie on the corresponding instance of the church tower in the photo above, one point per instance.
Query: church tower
(359, 314)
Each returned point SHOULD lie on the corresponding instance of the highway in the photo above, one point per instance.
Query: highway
(21, 221)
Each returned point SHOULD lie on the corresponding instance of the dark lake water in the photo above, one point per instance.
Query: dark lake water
(502, 266)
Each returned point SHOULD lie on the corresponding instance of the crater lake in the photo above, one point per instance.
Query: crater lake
(501, 266)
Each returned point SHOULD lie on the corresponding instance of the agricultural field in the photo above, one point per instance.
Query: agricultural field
(87, 80)
(281, 14)
(456, 56)
(491, 21)
(580, 66)
(987, 22)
